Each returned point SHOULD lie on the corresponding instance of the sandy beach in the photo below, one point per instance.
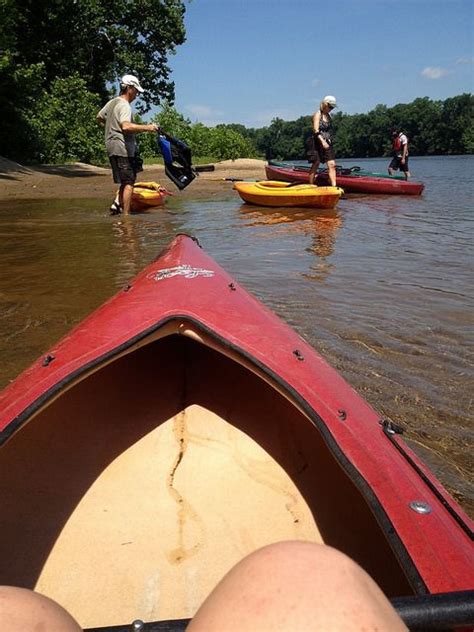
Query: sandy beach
(79, 180)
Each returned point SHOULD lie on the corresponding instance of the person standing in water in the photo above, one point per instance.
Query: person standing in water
(120, 141)
(320, 146)
(400, 153)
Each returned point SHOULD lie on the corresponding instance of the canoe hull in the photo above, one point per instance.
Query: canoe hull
(181, 426)
(350, 183)
(175, 490)
(283, 194)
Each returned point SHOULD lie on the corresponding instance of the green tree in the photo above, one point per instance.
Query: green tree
(228, 144)
(458, 121)
(220, 143)
(172, 122)
(65, 123)
(97, 40)
(433, 127)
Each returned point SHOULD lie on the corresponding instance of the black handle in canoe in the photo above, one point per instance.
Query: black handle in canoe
(444, 611)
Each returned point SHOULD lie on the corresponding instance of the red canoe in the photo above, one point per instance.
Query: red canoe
(350, 183)
(183, 425)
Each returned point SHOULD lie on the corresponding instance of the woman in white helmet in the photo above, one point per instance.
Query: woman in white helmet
(320, 146)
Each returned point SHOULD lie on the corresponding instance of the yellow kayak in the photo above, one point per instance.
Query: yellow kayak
(148, 194)
(276, 193)
(145, 195)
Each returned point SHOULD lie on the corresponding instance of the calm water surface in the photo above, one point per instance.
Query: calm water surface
(382, 287)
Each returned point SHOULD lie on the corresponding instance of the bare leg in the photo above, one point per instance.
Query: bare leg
(332, 172)
(297, 586)
(407, 175)
(390, 171)
(313, 171)
(125, 195)
(23, 610)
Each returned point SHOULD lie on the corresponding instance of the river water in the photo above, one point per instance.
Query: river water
(382, 287)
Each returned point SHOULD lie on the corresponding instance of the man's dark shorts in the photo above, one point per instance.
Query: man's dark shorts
(397, 164)
(123, 169)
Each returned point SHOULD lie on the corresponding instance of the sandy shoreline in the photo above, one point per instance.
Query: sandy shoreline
(79, 180)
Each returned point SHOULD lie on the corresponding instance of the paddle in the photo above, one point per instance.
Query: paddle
(426, 612)
(202, 168)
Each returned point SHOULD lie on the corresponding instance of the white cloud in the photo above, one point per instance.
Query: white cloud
(205, 114)
(465, 60)
(265, 117)
(434, 72)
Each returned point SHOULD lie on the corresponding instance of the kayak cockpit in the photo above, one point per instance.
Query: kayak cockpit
(144, 480)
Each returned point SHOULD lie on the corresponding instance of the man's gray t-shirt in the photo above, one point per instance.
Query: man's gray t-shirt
(118, 142)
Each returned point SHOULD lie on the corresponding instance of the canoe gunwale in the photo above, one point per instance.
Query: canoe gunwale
(424, 474)
(188, 326)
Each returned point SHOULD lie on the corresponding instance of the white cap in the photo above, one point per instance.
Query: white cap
(330, 100)
(131, 80)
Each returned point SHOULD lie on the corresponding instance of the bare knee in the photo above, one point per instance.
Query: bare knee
(296, 586)
(23, 610)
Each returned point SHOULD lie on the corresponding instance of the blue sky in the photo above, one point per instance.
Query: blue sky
(248, 61)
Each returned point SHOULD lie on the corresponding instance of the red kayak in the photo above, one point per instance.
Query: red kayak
(183, 425)
(351, 183)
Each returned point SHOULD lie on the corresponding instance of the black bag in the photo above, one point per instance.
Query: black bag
(137, 163)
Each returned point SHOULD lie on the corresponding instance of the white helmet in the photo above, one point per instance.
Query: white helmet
(330, 100)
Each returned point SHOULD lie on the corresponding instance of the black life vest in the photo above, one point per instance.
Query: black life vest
(177, 159)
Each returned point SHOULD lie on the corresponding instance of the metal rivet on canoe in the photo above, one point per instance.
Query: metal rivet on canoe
(138, 625)
(232, 287)
(47, 360)
(298, 354)
(342, 414)
(127, 287)
(420, 506)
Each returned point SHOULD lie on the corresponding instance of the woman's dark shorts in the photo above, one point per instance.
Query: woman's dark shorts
(397, 164)
(316, 152)
(123, 169)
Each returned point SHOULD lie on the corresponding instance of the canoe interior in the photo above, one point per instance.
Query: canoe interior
(131, 494)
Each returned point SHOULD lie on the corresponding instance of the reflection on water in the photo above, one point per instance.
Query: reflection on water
(320, 224)
(324, 236)
(381, 286)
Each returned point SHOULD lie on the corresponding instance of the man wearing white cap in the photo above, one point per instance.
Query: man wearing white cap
(120, 142)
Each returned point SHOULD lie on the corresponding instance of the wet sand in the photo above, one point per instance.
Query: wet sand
(79, 180)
